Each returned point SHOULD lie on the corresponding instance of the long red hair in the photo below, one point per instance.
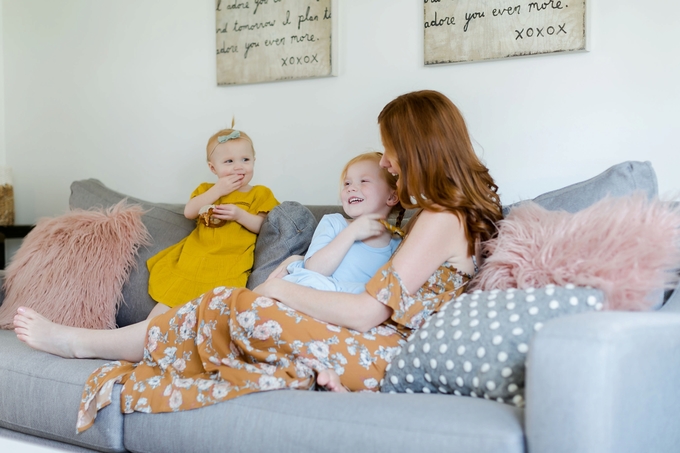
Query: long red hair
(439, 169)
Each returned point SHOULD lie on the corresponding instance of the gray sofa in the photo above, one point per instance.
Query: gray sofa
(595, 382)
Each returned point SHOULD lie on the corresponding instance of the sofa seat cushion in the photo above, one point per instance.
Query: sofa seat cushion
(300, 421)
(41, 395)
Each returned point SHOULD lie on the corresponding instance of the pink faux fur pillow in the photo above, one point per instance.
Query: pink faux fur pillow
(628, 247)
(71, 268)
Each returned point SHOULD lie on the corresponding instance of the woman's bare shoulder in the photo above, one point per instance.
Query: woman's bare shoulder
(429, 221)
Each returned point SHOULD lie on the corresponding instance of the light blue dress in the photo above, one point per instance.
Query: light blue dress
(357, 267)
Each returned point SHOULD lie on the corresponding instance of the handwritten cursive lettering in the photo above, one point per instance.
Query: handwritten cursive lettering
(227, 49)
(250, 45)
(436, 22)
(302, 38)
(510, 10)
(255, 26)
(307, 59)
(275, 42)
(302, 18)
(234, 5)
(469, 17)
(541, 6)
(539, 32)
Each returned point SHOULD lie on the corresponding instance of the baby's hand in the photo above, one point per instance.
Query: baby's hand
(227, 212)
(366, 226)
(228, 184)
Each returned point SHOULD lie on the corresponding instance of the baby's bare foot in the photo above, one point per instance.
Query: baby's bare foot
(42, 334)
(330, 380)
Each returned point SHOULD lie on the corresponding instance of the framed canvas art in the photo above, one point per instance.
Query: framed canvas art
(268, 40)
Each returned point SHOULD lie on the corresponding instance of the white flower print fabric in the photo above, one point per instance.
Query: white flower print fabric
(231, 342)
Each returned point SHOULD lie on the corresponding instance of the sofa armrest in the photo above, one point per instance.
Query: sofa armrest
(604, 382)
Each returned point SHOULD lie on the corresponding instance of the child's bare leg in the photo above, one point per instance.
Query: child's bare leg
(40, 333)
(159, 309)
(331, 381)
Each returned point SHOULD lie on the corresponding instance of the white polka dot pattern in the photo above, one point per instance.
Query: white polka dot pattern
(477, 345)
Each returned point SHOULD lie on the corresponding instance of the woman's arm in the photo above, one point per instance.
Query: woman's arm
(360, 312)
(435, 239)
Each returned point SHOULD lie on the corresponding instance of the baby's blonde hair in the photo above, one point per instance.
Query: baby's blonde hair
(389, 178)
(213, 142)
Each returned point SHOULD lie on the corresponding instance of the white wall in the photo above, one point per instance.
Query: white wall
(2, 95)
(125, 92)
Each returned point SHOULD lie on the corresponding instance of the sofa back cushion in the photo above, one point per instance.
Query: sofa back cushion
(617, 181)
(166, 225)
(287, 230)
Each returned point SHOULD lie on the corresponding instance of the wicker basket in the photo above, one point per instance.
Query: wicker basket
(6, 197)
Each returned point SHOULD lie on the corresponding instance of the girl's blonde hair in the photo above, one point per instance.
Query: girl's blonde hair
(390, 179)
(213, 142)
(440, 170)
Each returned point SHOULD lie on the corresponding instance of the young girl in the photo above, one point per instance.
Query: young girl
(345, 254)
(230, 212)
(233, 342)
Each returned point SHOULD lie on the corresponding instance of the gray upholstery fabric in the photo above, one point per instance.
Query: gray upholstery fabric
(286, 231)
(321, 210)
(38, 441)
(618, 180)
(40, 395)
(595, 382)
(477, 345)
(301, 421)
(673, 302)
(605, 383)
(166, 225)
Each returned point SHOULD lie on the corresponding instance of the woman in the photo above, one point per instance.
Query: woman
(233, 342)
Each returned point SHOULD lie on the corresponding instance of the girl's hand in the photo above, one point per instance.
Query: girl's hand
(228, 212)
(366, 226)
(227, 184)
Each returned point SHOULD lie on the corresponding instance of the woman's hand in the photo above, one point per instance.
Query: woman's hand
(360, 312)
(282, 269)
(268, 287)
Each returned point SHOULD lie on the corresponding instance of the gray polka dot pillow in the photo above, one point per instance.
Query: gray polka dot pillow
(477, 344)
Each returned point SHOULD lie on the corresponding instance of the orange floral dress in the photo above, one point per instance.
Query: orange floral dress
(231, 342)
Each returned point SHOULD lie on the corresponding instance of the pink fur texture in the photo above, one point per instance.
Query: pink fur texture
(72, 268)
(628, 247)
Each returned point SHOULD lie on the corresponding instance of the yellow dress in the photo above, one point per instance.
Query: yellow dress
(231, 342)
(209, 257)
